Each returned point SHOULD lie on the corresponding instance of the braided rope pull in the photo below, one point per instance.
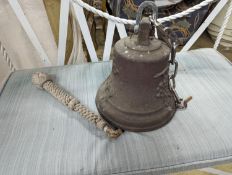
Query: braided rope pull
(44, 81)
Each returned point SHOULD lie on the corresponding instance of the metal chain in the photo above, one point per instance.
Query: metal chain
(171, 40)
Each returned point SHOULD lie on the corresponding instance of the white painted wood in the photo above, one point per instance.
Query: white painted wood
(121, 30)
(205, 24)
(63, 29)
(109, 40)
(77, 55)
(29, 31)
(79, 13)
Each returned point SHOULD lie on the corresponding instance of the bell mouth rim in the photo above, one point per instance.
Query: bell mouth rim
(132, 128)
(138, 116)
(134, 122)
(137, 113)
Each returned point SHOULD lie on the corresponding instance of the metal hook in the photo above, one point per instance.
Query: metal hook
(142, 6)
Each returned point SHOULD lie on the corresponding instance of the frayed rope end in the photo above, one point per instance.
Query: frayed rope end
(39, 78)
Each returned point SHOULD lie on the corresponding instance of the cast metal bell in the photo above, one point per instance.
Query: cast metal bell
(137, 95)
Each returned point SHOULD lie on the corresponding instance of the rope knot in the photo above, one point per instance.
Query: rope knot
(101, 124)
(72, 103)
(39, 78)
(112, 133)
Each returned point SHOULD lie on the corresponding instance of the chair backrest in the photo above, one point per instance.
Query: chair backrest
(119, 23)
(20, 14)
(113, 22)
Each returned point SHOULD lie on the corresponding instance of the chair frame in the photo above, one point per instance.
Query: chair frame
(80, 17)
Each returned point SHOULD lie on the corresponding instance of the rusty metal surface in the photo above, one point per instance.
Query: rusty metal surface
(137, 95)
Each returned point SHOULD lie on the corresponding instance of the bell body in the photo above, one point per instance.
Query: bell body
(136, 96)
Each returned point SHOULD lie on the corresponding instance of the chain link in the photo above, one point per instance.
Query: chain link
(171, 39)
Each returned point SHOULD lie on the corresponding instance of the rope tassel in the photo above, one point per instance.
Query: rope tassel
(44, 81)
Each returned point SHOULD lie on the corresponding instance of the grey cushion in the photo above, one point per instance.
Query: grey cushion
(38, 135)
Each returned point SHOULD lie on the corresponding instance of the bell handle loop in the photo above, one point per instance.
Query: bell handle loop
(163, 33)
(142, 6)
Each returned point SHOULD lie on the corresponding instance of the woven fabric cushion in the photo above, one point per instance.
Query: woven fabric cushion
(38, 135)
